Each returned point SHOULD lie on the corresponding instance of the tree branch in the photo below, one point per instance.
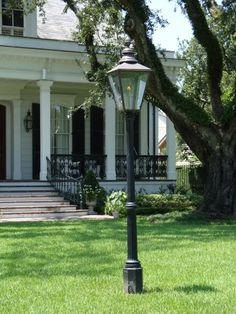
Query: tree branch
(186, 115)
(88, 39)
(214, 54)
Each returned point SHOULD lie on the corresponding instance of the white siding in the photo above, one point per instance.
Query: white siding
(26, 143)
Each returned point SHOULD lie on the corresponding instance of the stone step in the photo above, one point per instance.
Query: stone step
(34, 201)
(24, 183)
(33, 205)
(36, 207)
(27, 193)
(35, 211)
(10, 189)
(29, 199)
(41, 216)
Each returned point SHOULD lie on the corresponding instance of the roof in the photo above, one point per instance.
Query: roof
(57, 25)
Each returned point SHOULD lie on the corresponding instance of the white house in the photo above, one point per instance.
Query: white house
(42, 76)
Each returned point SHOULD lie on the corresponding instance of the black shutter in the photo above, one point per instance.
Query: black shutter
(36, 140)
(97, 139)
(78, 138)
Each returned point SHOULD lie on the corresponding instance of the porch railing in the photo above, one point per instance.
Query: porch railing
(145, 167)
(76, 166)
(70, 188)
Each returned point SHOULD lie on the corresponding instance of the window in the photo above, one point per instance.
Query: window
(12, 19)
(60, 129)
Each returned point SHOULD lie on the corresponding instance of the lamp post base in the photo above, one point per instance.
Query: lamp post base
(133, 277)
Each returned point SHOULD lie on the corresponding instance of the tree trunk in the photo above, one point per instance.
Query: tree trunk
(220, 184)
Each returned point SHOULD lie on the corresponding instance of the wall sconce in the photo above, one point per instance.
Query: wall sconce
(28, 121)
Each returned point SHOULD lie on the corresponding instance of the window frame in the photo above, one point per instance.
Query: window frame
(11, 29)
(63, 123)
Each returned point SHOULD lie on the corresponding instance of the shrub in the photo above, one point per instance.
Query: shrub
(93, 191)
(91, 180)
(116, 202)
(148, 204)
(163, 203)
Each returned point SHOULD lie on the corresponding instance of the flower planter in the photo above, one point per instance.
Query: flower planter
(91, 205)
(115, 214)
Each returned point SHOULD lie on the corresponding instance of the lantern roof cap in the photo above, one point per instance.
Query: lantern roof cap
(128, 62)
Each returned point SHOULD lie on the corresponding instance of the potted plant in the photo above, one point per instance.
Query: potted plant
(91, 191)
(115, 204)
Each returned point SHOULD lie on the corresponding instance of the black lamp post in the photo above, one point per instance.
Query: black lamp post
(128, 82)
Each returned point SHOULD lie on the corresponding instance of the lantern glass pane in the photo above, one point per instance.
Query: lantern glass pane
(133, 86)
(116, 89)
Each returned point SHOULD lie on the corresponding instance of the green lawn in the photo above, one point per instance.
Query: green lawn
(76, 267)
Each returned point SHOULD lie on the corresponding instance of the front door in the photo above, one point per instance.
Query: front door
(2, 142)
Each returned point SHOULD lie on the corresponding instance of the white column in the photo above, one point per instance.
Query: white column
(16, 139)
(150, 144)
(144, 129)
(171, 150)
(156, 131)
(45, 130)
(110, 137)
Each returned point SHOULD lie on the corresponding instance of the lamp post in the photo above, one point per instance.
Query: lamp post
(128, 82)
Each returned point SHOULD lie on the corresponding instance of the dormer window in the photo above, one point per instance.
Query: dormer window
(12, 19)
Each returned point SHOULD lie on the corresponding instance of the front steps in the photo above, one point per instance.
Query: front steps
(34, 201)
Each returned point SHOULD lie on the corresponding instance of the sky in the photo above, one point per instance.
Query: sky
(178, 27)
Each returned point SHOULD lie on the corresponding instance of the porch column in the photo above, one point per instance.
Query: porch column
(16, 139)
(45, 136)
(171, 150)
(110, 138)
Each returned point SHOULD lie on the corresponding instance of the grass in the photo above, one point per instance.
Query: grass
(189, 266)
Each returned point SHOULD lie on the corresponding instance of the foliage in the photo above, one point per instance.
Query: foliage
(190, 177)
(91, 188)
(162, 203)
(194, 76)
(76, 266)
(183, 152)
(148, 204)
(116, 201)
(91, 193)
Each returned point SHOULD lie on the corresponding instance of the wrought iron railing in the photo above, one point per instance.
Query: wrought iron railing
(145, 167)
(69, 187)
(76, 166)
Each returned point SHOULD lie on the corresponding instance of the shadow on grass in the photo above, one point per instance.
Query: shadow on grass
(184, 289)
(194, 226)
(196, 289)
(153, 290)
(61, 248)
(92, 248)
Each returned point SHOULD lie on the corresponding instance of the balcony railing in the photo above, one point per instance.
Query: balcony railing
(146, 167)
(77, 165)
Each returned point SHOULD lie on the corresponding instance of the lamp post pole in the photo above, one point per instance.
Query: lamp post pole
(128, 82)
(132, 272)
